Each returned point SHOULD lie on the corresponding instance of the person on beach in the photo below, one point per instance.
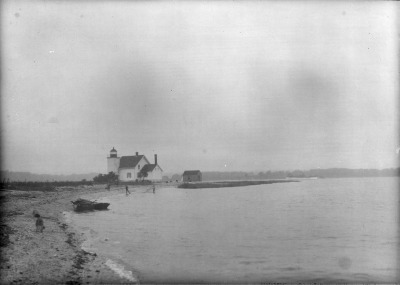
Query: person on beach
(39, 223)
(154, 189)
(126, 190)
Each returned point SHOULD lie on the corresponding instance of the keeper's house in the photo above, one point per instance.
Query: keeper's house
(128, 167)
(191, 176)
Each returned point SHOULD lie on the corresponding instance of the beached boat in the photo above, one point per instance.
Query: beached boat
(81, 205)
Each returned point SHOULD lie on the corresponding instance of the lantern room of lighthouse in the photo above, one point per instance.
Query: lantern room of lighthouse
(113, 161)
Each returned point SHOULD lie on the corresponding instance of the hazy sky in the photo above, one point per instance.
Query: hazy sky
(216, 85)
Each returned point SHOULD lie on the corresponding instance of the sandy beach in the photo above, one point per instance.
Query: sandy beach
(54, 256)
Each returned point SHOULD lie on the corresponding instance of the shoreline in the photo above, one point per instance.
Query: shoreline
(56, 255)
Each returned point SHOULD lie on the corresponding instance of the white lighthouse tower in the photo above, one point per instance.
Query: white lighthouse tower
(113, 161)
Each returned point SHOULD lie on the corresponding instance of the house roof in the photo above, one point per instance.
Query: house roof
(149, 167)
(130, 161)
(191, 172)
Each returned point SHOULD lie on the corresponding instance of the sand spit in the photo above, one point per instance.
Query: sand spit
(54, 256)
(239, 183)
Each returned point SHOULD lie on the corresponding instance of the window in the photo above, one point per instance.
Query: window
(138, 167)
(128, 175)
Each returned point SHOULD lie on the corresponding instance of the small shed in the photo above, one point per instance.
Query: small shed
(191, 176)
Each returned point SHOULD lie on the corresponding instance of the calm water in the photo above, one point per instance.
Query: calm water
(326, 230)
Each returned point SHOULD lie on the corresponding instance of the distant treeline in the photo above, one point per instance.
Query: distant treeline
(28, 179)
(28, 176)
(320, 173)
(42, 186)
(344, 172)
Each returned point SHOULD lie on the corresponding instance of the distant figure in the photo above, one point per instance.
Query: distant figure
(154, 189)
(108, 187)
(35, 212)
(39, 223)
(127, 191)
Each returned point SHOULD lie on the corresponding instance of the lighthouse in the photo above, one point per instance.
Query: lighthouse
(113, 161)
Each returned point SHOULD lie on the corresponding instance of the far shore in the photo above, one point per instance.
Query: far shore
(54, 256)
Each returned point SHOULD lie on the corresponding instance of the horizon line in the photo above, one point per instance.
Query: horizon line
(220, 171)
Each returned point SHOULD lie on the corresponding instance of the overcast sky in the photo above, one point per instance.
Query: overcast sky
(216, 85)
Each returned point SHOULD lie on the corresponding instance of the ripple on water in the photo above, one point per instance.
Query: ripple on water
(252, 262)
(120, 270)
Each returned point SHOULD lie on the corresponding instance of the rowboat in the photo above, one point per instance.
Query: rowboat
(82, 205)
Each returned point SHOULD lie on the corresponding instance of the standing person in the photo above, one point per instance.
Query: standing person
(154, 189)
(39, 223)
(126, 190)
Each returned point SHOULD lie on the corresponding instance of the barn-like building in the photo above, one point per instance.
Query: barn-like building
(191, 176)
(128, 167)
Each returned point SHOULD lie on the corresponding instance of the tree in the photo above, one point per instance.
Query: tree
(143, 173)
(109, 178)
(176, 177)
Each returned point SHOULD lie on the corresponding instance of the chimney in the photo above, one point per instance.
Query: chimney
(137, 153)
(155, 159)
